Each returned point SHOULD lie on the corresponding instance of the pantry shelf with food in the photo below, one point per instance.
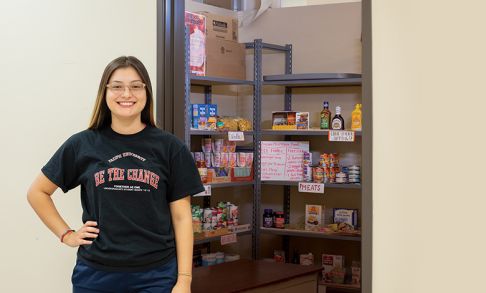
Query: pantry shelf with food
(326, 185)
(201, 239)
(302, 132)
(216, 132)
(355, 236)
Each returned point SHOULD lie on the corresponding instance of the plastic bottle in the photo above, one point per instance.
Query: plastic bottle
(356, 118)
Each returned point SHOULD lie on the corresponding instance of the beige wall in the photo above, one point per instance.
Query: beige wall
(428, 127)
(53, 54)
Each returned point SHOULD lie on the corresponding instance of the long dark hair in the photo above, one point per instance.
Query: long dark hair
(101, 116)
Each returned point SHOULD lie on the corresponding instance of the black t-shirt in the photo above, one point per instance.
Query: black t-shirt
(127, 183)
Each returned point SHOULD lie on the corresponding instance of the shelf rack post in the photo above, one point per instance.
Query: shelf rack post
(257, 78)
(187, 90)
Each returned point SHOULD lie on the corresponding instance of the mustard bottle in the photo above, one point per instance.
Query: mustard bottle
(356, 118)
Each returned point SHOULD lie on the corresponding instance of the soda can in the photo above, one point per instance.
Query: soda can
(207, 226)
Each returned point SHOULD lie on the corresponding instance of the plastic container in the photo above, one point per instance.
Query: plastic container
(268, 218)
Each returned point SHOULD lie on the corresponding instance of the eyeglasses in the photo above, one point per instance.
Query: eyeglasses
(118, 87)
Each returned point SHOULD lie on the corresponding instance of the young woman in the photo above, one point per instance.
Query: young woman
(136, 181)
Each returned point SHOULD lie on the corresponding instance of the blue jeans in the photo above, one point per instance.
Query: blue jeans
(87, 279)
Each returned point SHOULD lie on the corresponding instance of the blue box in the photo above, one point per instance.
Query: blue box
(199, 116)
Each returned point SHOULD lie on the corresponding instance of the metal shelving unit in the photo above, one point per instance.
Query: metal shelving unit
(207, 82)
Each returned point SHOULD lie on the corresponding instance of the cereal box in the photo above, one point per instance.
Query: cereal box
(348, 216)
(313, 216)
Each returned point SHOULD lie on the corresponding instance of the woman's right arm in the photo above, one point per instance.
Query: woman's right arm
(39, 197)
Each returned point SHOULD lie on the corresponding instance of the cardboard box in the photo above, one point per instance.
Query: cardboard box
(221, 27)
(197, 42)
(313, 217)
(290, 120)
(225, 59)
(333, 266)
(199, 116)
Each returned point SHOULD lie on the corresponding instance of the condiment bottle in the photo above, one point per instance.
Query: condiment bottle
(338, 121)
(356, 118)
(325, 116)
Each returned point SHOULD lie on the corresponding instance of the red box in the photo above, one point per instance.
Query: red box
(235, 178)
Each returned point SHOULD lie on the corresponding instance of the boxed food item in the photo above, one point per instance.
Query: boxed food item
(197, 42)
(307, 259)
(199, 116)
(313, 216)
(212, 116)
(302, 120)
(225, 59)
(333, 268)
(290, 120)
(221, 26)
(348, 216)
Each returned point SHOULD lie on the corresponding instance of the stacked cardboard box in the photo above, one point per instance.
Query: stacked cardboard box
(223, 55)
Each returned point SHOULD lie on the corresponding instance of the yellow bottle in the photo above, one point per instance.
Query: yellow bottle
(356, 118)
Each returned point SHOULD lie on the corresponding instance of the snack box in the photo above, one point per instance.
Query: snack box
(212, 116)
(313, 217)
(348, 216)
(330, 264)
(199, 116)
(290, 120)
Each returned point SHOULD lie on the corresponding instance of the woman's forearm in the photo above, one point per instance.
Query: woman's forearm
(43, 205)
(184, 238)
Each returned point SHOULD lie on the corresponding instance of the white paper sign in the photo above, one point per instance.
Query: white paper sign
(236, 136)
(206, 192)
(282, 160)
(310, 187)
(341, 135)
(227, 239)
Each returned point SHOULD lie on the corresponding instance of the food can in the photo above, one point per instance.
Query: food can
(354, 168)
(198, 156)
(324, 159)
(307, 173)
(218, 145)
(224, 160)
(207, 158)
(334, 158)
(207, 215)
(232, 160)
(327, 174)
(206, 145)
(332, 175)
(241, 159)
(318, 175)
(207, 226)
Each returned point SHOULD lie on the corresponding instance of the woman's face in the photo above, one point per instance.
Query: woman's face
(125, 94)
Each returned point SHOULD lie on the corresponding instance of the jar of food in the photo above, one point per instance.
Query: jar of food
(268, 218)
(279, 220)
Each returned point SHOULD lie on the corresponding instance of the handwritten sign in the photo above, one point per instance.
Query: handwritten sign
(227, 239)
(310, 187)
(236, 136)
(341, 135)
(206, 192)
(282, 160)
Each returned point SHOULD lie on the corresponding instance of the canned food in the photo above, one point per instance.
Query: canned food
(334, 158)
(307, 173)
(206, 145)
(318, 175)
(207, 158)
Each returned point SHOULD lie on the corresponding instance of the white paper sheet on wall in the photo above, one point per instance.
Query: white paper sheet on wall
(282, 160)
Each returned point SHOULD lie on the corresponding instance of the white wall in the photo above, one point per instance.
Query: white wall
(53, 54)
(428, 127)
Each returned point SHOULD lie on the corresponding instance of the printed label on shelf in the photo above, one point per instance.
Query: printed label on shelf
(310, 187)
(227, 239)
(236, 136)
(206, 192)
(341, 135)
